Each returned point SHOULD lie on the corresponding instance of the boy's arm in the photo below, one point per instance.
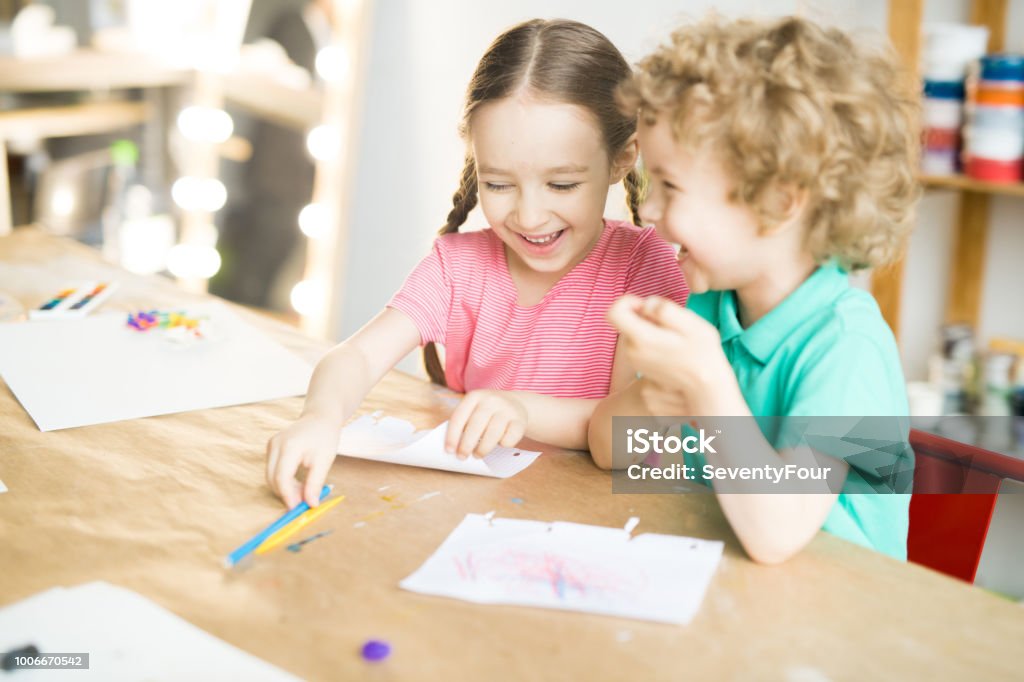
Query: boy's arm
(686, 373)
(772, 527)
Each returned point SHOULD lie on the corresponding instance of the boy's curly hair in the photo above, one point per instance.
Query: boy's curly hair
(790, 103)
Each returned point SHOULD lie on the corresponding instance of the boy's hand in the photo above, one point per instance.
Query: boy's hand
(663, 401)
(310, 442)
(679, 353)
(484, 420)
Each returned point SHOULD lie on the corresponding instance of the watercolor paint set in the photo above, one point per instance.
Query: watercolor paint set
(74, 301)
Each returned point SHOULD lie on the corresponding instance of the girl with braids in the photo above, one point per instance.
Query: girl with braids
(519, 307)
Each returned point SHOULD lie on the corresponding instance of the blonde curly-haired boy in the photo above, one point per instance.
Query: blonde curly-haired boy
(781, 156)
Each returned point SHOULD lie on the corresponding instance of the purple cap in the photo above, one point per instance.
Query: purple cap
(376, 650)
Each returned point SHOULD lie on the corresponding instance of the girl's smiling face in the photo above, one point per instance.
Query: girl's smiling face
(543, 173)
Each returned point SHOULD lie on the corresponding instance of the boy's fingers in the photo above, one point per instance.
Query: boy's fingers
(667, 314)
(623, 315)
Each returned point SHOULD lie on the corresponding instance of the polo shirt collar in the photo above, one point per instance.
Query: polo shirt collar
(761, 340)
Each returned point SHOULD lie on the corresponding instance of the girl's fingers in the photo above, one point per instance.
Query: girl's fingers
(513, 434)
(287, 486)
(315, 477)
(273, 455)
(472, 432)
(492, 434)
(457, 422)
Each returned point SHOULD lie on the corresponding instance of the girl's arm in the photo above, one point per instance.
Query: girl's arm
(340, 381)
(486, 418)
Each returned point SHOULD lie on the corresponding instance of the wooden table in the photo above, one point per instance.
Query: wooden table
(155, 504)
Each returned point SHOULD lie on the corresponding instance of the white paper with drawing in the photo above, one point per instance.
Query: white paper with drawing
(387, 439)
(69, 373)
(570, 566)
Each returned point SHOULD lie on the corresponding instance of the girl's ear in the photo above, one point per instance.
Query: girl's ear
(625, 160)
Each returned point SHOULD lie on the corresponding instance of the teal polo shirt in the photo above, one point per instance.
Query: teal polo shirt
(825, 350)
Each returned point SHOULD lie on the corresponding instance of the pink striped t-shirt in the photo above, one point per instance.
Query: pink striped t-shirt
(462, 296)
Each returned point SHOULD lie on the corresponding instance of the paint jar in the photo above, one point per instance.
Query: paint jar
(995, 401)
(926, 402)
(1002, 67)
(949, 47)
(997, 118)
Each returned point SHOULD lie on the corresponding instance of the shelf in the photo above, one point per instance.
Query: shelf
(269, 99)
(962, 182)
(87, 70)
(76, 119)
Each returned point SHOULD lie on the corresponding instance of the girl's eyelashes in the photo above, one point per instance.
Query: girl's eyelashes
(564, 186)
(556, 186)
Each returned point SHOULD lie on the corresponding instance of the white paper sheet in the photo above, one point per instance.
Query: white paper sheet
(570, 566)
(69, 373)
(387, 439)
(127, 637)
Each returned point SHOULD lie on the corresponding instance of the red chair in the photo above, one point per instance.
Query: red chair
(947, 532)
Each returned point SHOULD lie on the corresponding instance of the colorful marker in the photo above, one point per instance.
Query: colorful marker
(286, 518)
(295, 526)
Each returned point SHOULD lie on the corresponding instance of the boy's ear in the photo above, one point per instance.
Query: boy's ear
(787, 201)
(625, 160)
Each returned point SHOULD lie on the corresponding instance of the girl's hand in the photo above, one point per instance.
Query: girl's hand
(310, 442)
(484, 420)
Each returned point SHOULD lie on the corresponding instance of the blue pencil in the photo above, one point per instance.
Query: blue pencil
(286, 518)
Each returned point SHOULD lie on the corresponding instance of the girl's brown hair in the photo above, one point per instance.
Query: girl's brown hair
(560, 60)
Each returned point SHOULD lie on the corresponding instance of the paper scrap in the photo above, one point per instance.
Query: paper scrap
(127, 637)
(388, 439)
(3, 488)
(570, 566)
(69, 373)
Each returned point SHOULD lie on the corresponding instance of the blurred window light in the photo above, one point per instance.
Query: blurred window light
(146, 243)
(62, 201)
(199, 194)
(205, 124)
(307, 297)
(323, 142)
(332, 63)
(193, 261)
(315, 221)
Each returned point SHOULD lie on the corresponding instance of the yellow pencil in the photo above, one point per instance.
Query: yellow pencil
(295, 526)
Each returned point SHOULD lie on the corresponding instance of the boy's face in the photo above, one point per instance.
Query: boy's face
(688, 203)
(543, 175)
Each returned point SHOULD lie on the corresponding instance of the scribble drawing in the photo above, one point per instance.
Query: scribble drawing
(565, 577)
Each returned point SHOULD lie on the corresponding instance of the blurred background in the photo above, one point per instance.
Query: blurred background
(297, 156)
